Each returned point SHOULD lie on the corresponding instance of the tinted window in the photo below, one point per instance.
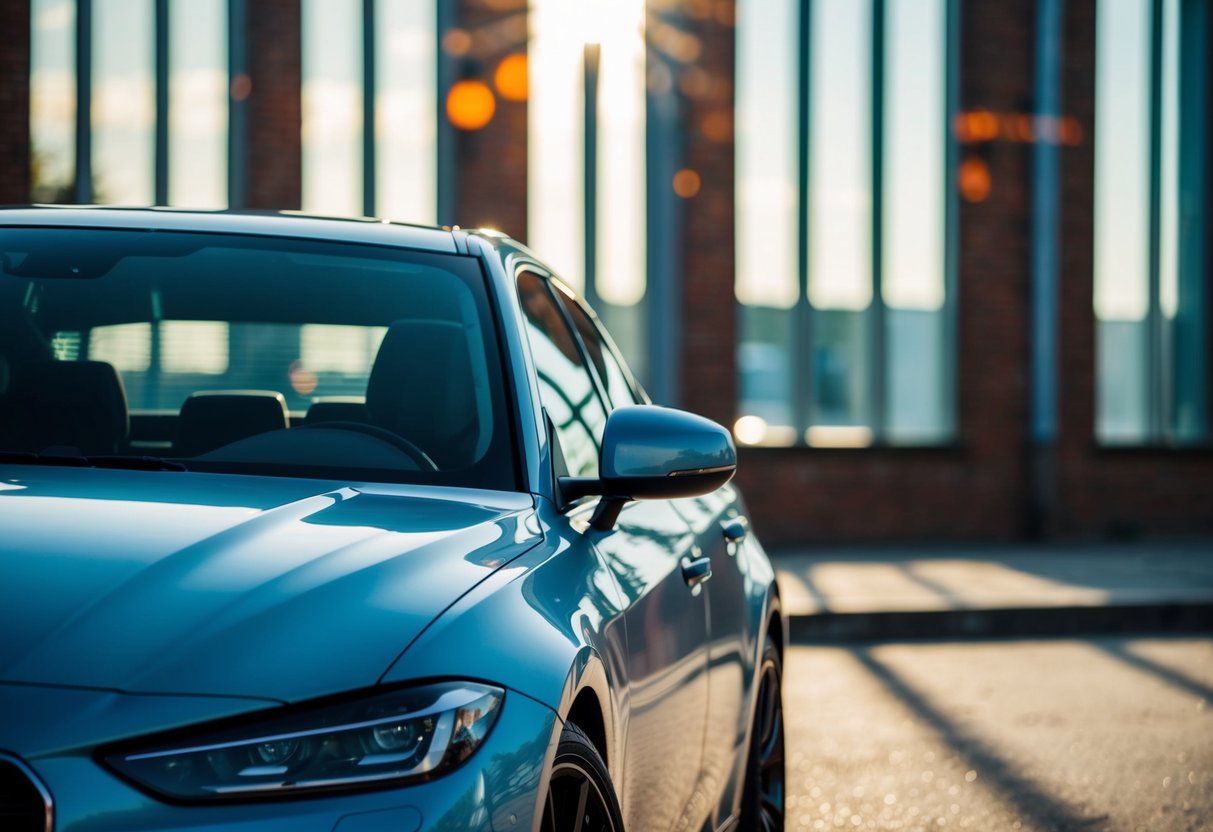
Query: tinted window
(565, 386)
(218, 349)
(609, 369)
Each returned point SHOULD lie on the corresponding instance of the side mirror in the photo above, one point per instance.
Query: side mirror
(654, 453)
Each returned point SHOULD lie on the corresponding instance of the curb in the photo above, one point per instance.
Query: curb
(826, 628)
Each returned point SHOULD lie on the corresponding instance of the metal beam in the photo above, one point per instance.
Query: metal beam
(160, 178)
(369, 85)
(84, 101)
(237, 106)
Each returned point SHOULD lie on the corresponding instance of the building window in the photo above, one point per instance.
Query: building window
(1151, 222)
(52, 100)
(843, 205)
(588, 72)
(123, 101)
(128, 101)
(198, 103)
(370, 108)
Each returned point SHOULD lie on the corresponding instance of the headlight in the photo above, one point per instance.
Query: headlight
(405, 735)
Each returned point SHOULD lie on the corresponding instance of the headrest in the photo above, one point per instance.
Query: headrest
(422, 388)
(79, 404)
(333, 410)
(212, 419)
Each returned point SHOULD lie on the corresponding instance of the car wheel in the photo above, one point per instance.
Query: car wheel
(762, 802)
(580, 797)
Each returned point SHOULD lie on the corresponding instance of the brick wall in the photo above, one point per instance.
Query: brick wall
(709, 314)
(491, 163)
(14, 103)
(274, 150)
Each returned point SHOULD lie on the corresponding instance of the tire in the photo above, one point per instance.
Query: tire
(580, 797)
(762, 800)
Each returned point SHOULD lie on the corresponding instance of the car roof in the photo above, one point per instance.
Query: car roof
(266, 223)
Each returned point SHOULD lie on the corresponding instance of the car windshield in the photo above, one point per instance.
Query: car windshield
(249, 354)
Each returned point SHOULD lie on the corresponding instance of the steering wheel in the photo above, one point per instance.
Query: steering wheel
(383, 435)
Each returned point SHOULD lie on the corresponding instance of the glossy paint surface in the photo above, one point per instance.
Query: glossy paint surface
(138, 602)
(175, 582)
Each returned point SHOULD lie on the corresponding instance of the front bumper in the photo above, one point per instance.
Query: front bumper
(54, 732)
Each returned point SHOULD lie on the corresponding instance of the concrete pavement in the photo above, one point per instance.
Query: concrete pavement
(1107, 734)
(854, 594)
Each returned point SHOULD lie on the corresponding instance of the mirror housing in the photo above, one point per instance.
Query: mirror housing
(656, 453)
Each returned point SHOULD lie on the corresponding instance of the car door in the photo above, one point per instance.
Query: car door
(663, 663)
(719, 527)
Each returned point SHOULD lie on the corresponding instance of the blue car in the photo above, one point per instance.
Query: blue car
(349, 526)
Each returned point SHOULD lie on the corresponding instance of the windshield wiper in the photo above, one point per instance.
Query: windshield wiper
(69, 460)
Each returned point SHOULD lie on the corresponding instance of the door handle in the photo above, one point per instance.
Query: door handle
(695, 572)
(735, 530)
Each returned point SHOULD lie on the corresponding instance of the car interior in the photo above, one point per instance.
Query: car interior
(334, 362)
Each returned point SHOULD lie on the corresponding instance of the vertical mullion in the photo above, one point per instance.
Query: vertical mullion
(590, 171)
(237, 107)
(951, 304)
(1154, 333)
(84, 101)
(369, 86)
(445, 190)
(160, 178)
(802, 329)
(876, 312)
(662, 322)
(1044, 225)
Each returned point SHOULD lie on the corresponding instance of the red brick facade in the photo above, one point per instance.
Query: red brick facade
(709, 313)
(491, 164)
(275, 148)
(14, 104)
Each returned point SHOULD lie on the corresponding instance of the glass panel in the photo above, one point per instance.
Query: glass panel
(1187, 333)
(915, 147)
(621, 155)
(767, 169)
(840, 363)
(405, 110)
(332, 107)
(198, 92)
(52, 100)
(124, 103)
(840, 218)
(555, 208)
(840, 176)
(609, 370)
(1122, 200)
(565, 387)
(765, 362)
(767, 285)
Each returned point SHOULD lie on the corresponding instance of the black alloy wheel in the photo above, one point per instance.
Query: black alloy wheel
(580, 797)
(762, 802)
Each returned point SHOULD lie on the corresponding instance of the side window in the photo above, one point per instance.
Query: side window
(565, 387)
(605, 362)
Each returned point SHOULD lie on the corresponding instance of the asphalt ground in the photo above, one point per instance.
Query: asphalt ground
(1104, 733)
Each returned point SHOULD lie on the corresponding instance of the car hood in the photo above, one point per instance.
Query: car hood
(176, 582)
